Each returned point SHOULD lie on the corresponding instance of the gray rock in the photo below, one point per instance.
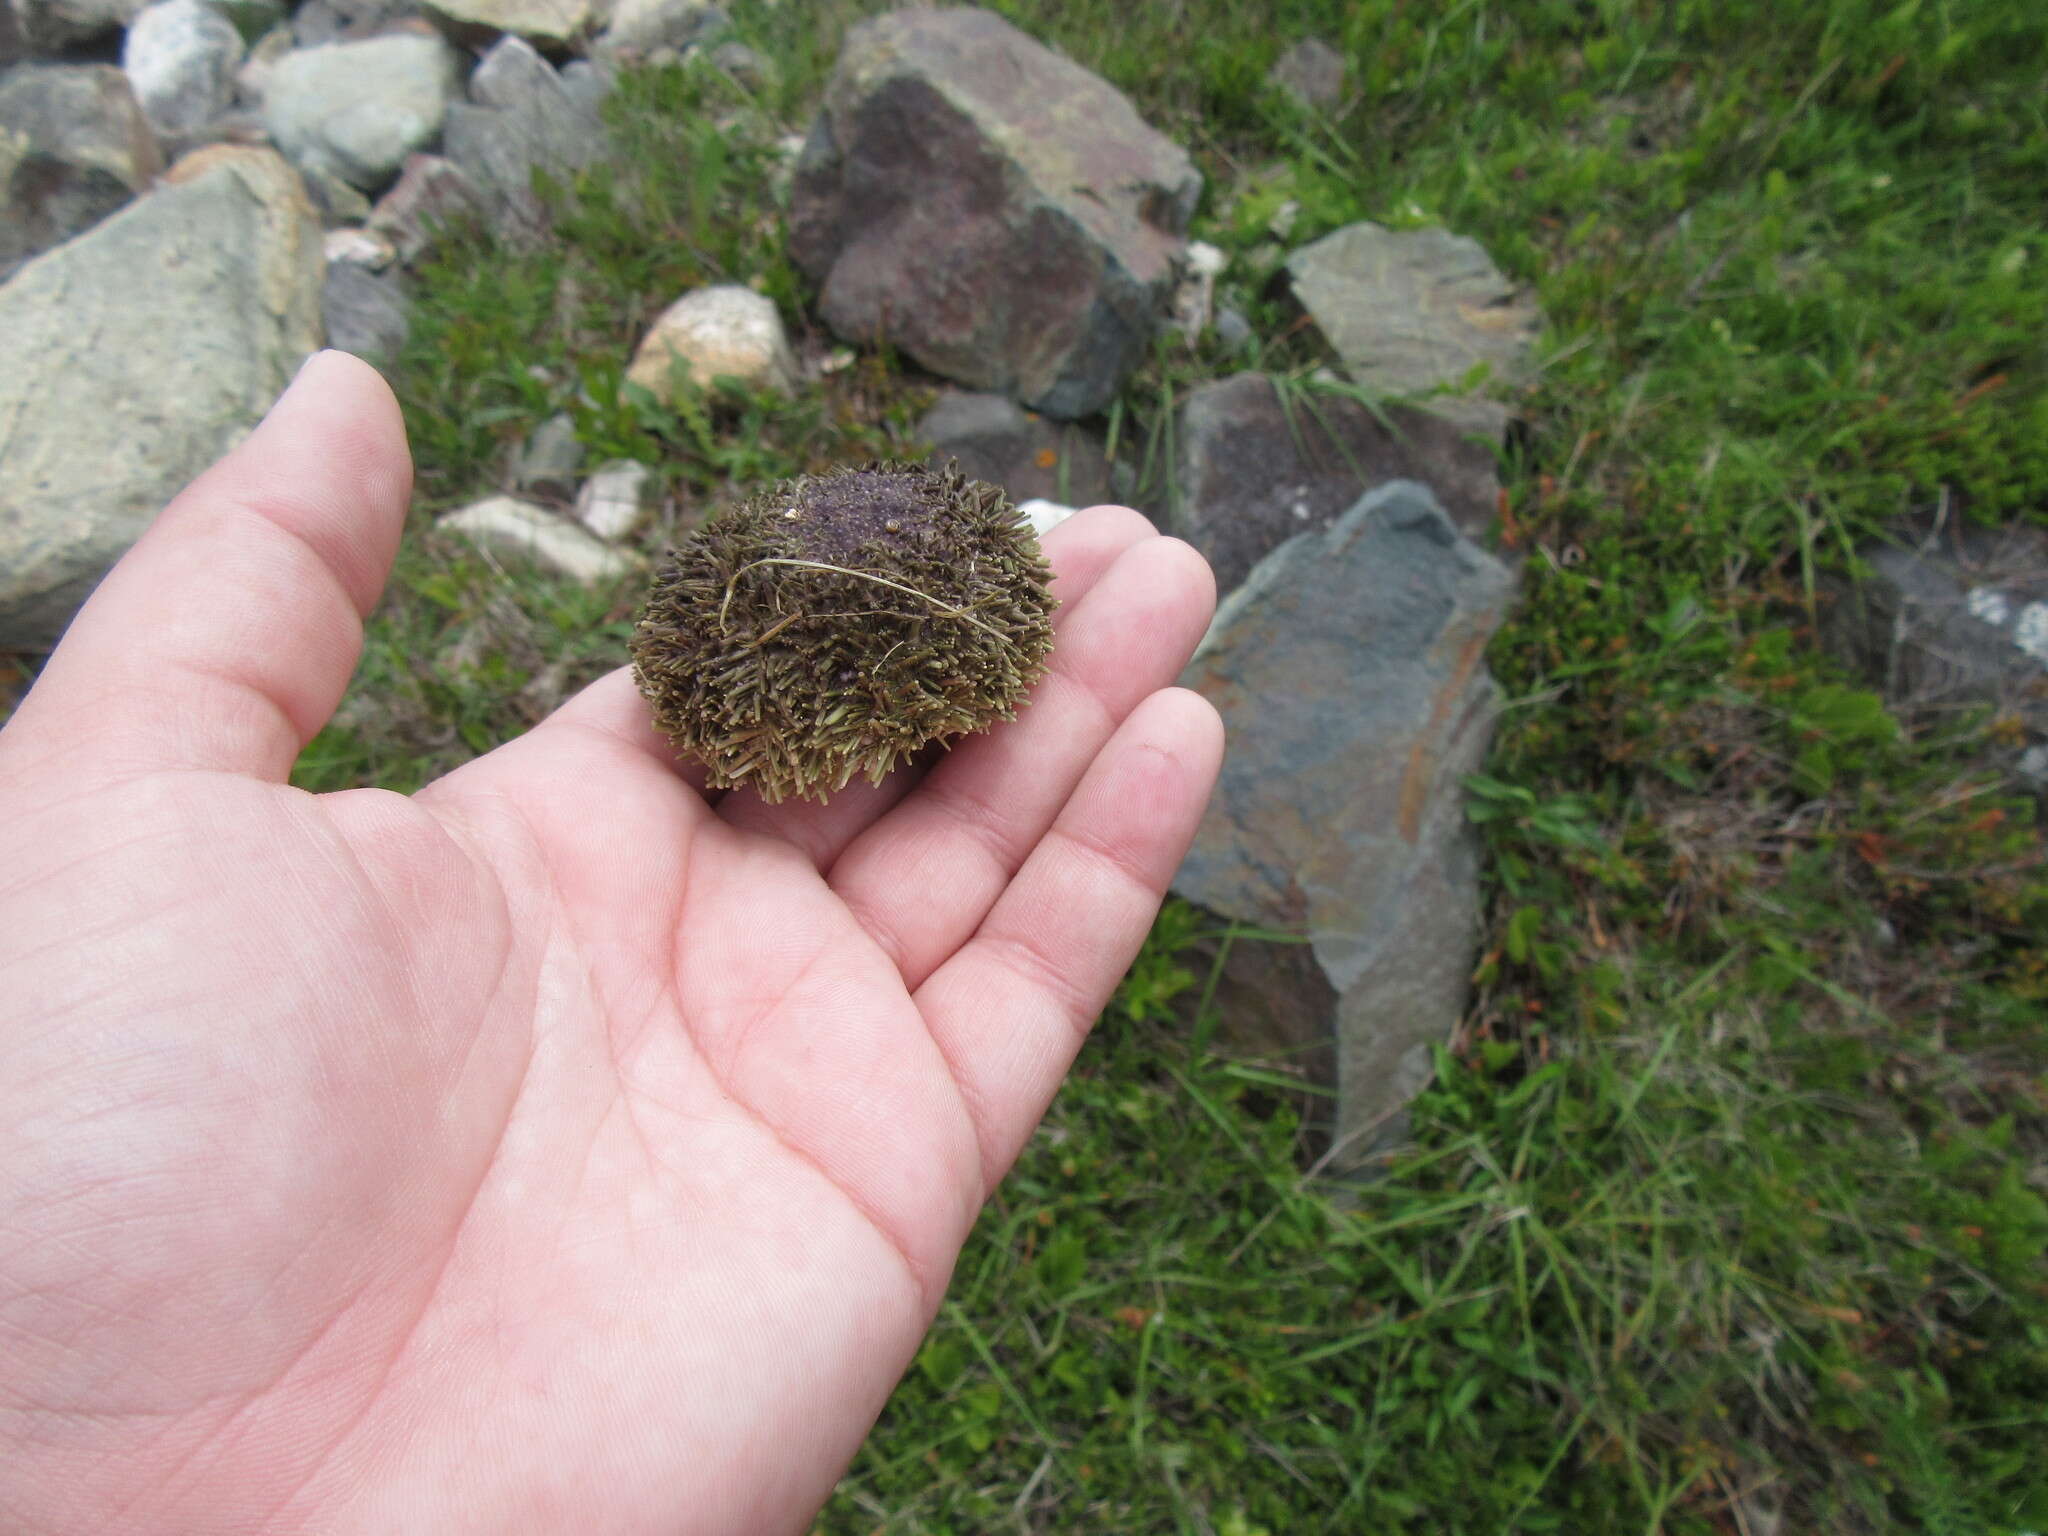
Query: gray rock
(1952, 619)
(136, 355)
(73, 148)
(990, 207)
(1349, 672)
(616, 501)
(1312, 71)
(253, 77)
(1256, 467)
(1409, 311)
(744, 65)
(319, 22)
(522, 531)
(44, 27)
(180, 57)
(366, 312)
(554, 21)
(1233, 331)
(524, 118)
(430, 194)
(356, 110)
(549, 458)
(1031, 458)
(638, 27)
(337, 202)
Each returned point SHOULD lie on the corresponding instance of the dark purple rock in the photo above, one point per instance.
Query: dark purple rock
(1349, 670)
(1255, 469)
(990, 207)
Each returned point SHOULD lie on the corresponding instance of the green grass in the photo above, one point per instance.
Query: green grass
(1728, 1199)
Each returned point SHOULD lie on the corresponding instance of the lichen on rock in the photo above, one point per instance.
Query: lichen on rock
(833, 625)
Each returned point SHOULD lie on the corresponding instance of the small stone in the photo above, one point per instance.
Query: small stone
(616, 502)
(549, 458)
(522, 531)
(320, 22)
(998, 441)
(43, 27)
(745, 66)
(1410, 311)
(1951, 615)
(555, 21)
(74, 146)
(338, 203)
(1194, 295)
(357, 110)
(1043, 515)
(639, 27)
(1312, 72)
(725, 331)
(523, 117)
(430, 194)
(366, 313)
(253, 77)
(181, 56)
(359, 247)
(1233, 331)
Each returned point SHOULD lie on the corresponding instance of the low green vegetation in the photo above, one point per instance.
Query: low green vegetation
(1725, 1213)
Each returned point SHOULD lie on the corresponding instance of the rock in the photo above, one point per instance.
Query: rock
(74, 147)
(430, 194)
(1408, 311)
(744, 66)
(320, 22)
(1349, 672)
(253, 77)
(549, 458)
(137, 354)
(337, 202)
(522, 531)
(1194, 293)
(638, 27)
(1950, 618)
(1311, 71)
(45, 27)
(1233, 331)
(356, 110)
(617, 501)
(358, 247)
(990, 207)
(1253, 471)
(1043, 515)
(554, 21)
(725, 331)
(366, 312)
(180, 57)
(997, 440)
(523, 118)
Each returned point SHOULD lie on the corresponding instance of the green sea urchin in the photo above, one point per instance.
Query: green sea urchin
(836, 623)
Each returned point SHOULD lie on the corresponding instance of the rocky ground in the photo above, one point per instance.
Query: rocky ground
(1638, 698)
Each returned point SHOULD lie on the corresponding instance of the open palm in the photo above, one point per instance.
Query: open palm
(562, 1148)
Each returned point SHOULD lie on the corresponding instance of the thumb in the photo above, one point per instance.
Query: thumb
(224, 638)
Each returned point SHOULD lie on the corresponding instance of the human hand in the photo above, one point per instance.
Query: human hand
(560, 1148)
